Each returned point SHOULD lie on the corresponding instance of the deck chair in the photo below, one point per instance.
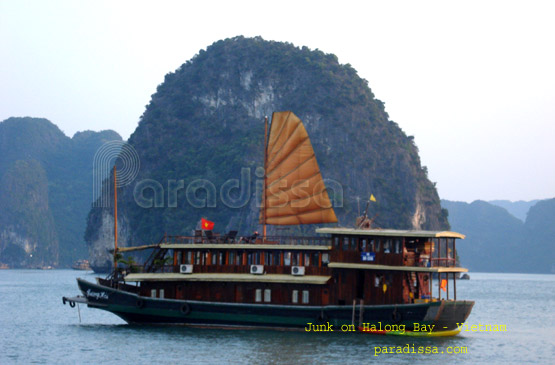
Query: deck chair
(229, 237)
(209, 236)
(198, 236)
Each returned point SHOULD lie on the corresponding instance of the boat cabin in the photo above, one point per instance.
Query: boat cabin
(346, 265)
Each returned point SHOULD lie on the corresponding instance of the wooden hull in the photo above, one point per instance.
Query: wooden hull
(132, 308)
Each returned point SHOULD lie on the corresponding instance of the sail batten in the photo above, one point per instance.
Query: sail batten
(294, 191)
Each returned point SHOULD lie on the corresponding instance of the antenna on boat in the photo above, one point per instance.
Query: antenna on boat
(265, 167)
(115, 219)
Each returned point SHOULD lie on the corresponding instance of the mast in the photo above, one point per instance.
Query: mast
(115, 219)
(265, 166)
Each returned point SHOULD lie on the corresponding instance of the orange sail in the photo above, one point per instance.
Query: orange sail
(294, 190)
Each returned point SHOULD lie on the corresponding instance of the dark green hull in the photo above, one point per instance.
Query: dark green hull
(445, 315)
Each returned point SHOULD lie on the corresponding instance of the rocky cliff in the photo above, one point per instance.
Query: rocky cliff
(202, 134)
(46, 189)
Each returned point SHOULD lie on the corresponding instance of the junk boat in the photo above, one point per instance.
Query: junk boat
(374, 280)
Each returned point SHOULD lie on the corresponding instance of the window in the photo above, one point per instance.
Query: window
(363, 245)
(315, 259)
(239, 258)
(267, 295)
(371, 245)
(257, 258)
(249, 258)
(189, 257)
(258, 295)
(296, 259)
(221, 258)
(336, 241)
(345, 243)
(277, 258)
(305, 296)
(161, 293)
(153, 293)
(231, 258)
(354, 243)
(287, 258)
(267, 258)
(325, 258)
(306, 259)
(397, 247)
(214, 258)
(387, 246)
(179, 256)
(295, 296)
(378, 245)
(197, 258)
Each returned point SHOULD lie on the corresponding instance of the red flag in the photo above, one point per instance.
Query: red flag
(206, 224)
(443, 285)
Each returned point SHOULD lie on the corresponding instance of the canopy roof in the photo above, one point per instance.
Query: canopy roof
(391, 233)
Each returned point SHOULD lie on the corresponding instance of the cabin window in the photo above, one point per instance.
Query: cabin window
(276, 258)
(315, 261)
(221, 258)
(267, 258)
(214, 258)
(306, 259)
(197, 258)
(354, 243)
(257, 258)
(305, 296)
(387, 246)
(363, 245)
(336, 241)
(287, 258)
(258, 295)
(295, 296)
(179, 256)
(345, 243)
(161, 293)
(267, 295)
(188, 258)
(205, 258)
(231, 257)
(378, 245)
(397, 246)
(294, 259)
(239, 258)
(325, 258)
(153, 293)
(371, 247)
(249, 258)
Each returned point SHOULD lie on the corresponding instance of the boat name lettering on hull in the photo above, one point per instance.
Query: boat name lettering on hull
(96, 295)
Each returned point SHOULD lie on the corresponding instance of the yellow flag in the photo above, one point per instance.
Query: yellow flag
(372, 199)
(384, 288)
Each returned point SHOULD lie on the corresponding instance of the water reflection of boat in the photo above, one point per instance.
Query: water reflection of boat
(81, 265)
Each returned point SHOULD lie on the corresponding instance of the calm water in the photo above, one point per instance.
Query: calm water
(36, 328)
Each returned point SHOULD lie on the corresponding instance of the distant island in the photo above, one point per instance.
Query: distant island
(45, 192)
(498, 241)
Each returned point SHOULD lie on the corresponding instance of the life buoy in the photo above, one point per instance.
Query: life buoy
(396, 316)
(185, 309)
(140, 303)
(72, 304)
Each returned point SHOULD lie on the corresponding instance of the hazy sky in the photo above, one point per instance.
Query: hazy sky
(473, 81)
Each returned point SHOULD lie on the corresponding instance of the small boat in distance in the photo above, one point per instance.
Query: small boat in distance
(81, 265)
(374, 280)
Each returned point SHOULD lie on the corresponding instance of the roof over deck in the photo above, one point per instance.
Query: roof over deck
(225, 277)
(390, 232)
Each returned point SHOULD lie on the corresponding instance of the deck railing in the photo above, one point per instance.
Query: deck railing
(275, 240)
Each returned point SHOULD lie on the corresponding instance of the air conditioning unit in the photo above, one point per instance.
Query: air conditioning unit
(186, 269)
(297, 270)
(257, 269)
